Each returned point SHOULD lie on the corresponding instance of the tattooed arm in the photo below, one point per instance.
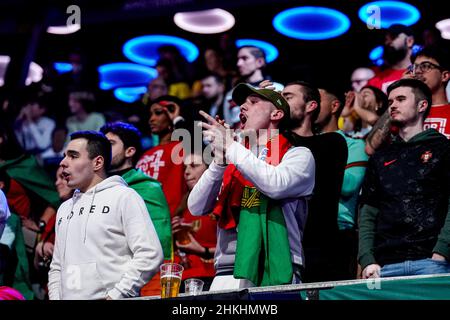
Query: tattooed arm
(379, 133)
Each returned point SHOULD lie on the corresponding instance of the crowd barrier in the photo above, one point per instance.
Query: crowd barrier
(429, 287)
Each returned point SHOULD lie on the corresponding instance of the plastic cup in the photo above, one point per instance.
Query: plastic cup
(193, 286)
(170, 279)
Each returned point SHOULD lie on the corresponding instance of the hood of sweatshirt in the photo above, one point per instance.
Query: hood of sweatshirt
(105, 184)
(429, 134)
(134, 176)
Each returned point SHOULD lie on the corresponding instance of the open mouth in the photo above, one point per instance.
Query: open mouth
(243, 118)
(66, 175)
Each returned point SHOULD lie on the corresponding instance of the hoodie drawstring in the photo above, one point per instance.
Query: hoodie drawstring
(87, 219)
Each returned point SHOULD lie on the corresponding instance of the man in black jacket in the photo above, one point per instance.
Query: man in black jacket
(330, 154)
(404, 221)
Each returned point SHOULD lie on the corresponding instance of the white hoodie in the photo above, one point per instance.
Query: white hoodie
(106, 244)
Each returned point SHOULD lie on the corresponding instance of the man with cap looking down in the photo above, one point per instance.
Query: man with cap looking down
(258, 189)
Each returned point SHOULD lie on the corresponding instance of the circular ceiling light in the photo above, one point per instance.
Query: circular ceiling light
(35, 73)
(390, 12)
(144, 49)
(129, 94)
(205, 21)
(62, 67)
(376, 56)
(444, 27)
(64, 29)
(311, 23)
(121, 74)
(270, 50)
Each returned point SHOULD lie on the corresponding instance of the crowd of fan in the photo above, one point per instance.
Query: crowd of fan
(352, 229)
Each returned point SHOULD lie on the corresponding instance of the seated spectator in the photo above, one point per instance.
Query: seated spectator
(33, 130)
(158, 162)
(51, 157)
(368, 105)
(82, 104)
(195, 237)
(177, 85)
(44, 247)
(397, 50)
(155, 89)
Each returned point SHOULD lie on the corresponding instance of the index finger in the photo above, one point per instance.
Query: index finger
(210, 119)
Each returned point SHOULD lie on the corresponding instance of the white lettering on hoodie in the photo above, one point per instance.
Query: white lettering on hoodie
(106, 244)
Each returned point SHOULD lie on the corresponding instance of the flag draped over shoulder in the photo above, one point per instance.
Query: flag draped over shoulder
(32, 177)
(263, 253)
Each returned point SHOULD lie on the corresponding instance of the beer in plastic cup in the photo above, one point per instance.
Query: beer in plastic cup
(170, 279)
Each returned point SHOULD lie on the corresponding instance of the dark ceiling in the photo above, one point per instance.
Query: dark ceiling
(106, 25)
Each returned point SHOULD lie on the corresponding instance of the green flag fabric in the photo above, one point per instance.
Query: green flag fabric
(262, 254)
(32, 177)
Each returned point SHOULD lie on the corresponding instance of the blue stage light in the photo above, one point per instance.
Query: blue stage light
(144, 49)
(376, 53)
(270, 50)
(62, 67)
(311, 23)
(390, 12)
(123, 74)
(129, 94)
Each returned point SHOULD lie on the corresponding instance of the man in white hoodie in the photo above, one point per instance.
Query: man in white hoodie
(106, 246)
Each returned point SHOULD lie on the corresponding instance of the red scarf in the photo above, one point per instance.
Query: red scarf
(229, 204)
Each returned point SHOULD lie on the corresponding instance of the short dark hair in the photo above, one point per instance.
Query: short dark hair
(420, 90)
(310, 93)
(255, 51)
(333, 92)
(217, 77)
(97, 145)
(435, 52)
(129, 134)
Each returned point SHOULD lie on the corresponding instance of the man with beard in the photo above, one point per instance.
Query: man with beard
(430, 65)
(404, 226)
(347, 239)
(213, 90)
(330, 154)
(126, 150)
(398, 44)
